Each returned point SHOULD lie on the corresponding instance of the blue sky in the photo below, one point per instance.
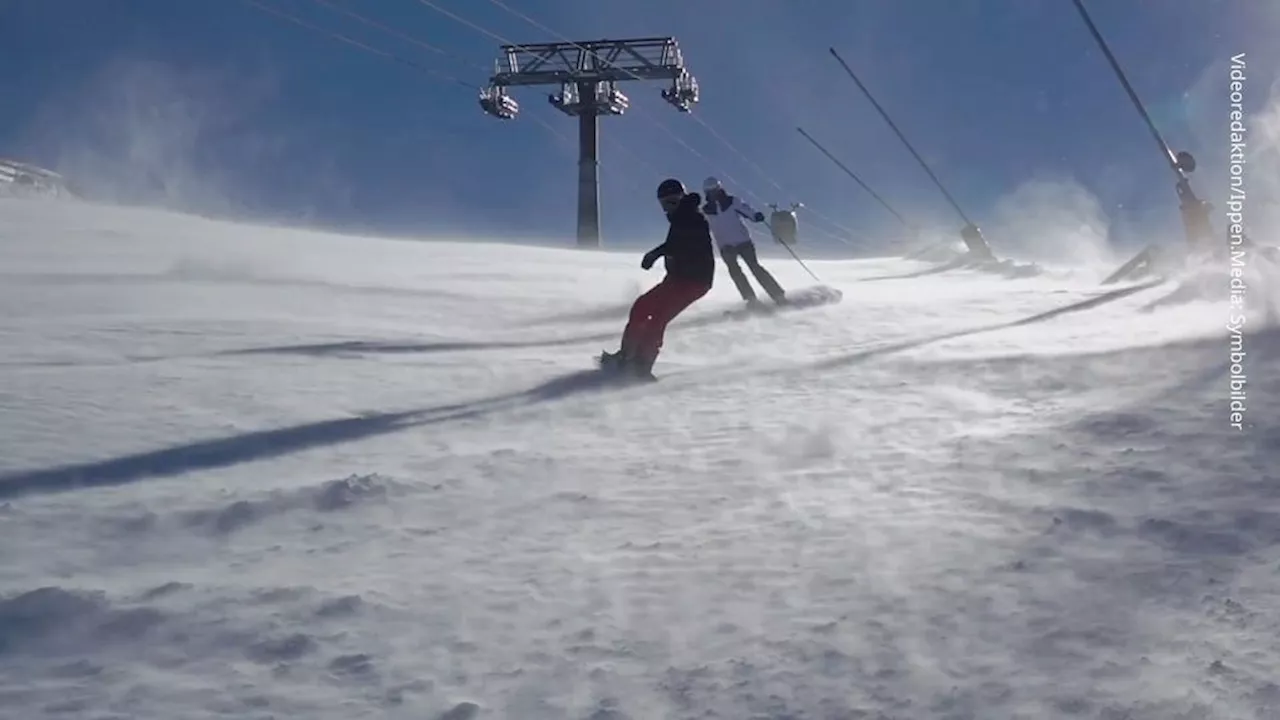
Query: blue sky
(221, 107)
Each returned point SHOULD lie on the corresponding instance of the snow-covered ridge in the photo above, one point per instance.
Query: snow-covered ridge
(20, 179)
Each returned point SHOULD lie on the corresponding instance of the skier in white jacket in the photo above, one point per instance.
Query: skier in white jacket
(725, 214)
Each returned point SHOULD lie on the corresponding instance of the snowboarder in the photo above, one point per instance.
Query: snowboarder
(691, 267)
(725, 214)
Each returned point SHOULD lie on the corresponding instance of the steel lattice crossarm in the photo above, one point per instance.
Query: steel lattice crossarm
(595, 65)
(588, 74)
(596, 61)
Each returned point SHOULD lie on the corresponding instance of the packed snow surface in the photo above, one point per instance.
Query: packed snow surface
(266, 473)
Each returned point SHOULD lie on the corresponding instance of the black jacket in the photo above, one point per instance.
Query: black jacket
(689, 250)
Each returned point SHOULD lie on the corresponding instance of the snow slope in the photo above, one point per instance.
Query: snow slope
(257, 473)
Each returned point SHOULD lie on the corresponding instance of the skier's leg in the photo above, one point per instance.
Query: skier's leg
(678, 296)
(771, 286)
(641, 312)
(729, 254)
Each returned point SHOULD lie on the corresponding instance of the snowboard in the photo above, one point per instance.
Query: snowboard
(807, 297)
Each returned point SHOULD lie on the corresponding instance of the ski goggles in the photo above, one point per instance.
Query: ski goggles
(670, 202)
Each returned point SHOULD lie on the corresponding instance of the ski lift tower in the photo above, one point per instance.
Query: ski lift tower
(588, 74)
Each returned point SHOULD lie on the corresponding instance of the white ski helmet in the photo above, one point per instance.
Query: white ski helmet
(711, 183)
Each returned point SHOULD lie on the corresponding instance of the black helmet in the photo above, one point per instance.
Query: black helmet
(669, 187)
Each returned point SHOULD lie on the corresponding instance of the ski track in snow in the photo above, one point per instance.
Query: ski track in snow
(259, 473)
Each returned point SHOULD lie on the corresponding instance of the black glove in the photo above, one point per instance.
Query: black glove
(650, 258)
(759, 217)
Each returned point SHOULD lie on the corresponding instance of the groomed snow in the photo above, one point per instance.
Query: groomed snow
(269, 473)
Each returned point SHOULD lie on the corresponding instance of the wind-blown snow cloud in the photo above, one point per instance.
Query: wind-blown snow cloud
(1056, 221)
(1264, 169)
(152, 133)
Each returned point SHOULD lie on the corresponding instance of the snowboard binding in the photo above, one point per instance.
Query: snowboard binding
(619, 365)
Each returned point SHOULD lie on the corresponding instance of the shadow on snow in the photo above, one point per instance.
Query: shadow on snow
(1102, 299)
(358, 347)
(265, 444)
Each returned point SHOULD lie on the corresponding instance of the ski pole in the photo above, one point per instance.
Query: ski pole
(776, 237)
(774, 233)
(797, 257)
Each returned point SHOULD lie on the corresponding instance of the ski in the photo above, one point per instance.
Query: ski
(807, 297)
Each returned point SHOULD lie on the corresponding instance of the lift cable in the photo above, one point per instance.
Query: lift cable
(548, 126)
(356, 43)
(389, 30)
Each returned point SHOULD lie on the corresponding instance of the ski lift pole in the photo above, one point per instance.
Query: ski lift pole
(1195, 212)
(971, 234)
(902, 137)
(1133, 94)
(853, 175)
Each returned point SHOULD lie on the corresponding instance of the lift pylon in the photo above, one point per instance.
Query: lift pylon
(588, 74)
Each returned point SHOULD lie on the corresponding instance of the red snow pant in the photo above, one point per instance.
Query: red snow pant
(642, 339)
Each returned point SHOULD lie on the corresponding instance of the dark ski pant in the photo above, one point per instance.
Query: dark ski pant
(747, 251)
(642, 338)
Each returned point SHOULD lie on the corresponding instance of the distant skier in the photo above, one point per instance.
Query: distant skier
(691, 268)
(725, 214)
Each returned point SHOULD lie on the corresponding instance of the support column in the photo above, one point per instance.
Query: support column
(588, 167)
(1195, 220)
